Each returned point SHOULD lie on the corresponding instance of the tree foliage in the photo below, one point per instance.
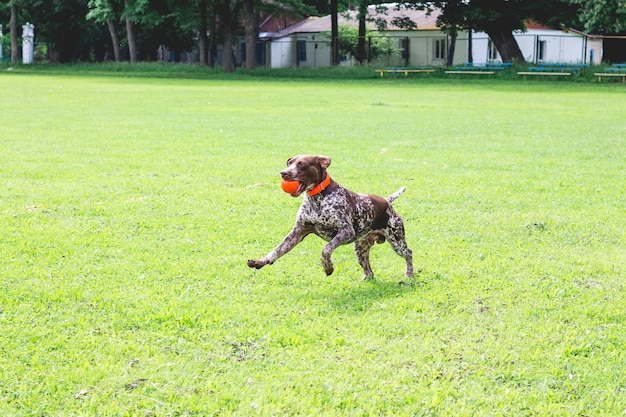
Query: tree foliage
(602, 16)
(500, 18)
(63, 26)
(89, 29)
(349, 40)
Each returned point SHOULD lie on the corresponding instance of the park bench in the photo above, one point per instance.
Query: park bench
(470, 68)
(617, 70)
(552, 70)
(404, 71)
(472, 71)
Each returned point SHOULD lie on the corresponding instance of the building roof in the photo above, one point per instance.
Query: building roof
(421, 18)
(388, 13)
(531, 24)
(271, 23)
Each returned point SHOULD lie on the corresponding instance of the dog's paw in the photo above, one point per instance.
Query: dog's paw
(256, 264)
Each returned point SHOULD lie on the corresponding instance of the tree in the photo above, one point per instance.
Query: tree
(203, 29)
(130, 31)
(349, 39)
(451, 20)
(15, 57)
(498, 18)
(151, 24)
(226, 11)
(101, 11)
(213, 43)
(62, 26)
(251, 23)
(362, 18)
(170, 23)
(317, 7)
(334, 31)
(115, 41)
(608, 16)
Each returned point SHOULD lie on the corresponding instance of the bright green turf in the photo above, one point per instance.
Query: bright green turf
(130, 206)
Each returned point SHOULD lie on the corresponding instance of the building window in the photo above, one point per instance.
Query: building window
(440, 49)
(301, 51)
(541, 50)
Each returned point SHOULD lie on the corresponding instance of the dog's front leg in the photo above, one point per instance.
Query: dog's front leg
(289, 242)
(342, 237)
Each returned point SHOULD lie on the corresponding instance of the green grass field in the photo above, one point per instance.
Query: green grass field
(129, 207)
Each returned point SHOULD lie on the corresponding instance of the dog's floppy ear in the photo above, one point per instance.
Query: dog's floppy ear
(324, 161)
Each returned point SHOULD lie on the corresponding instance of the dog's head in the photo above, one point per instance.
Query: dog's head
(308, 170)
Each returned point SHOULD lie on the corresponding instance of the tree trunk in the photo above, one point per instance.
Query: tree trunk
(361, 42)
(15, 53)
(226, 17)
(132, 46)
(334, 32)
(114, 40)
(451, 49)
(212, 43)
(204, 40)
(470, 46)
(506, 44)
(251, 19)
(130, 32)
(227, 54)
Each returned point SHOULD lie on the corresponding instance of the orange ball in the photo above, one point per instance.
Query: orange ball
(290, 186)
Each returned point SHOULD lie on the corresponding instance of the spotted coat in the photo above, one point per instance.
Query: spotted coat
(339, 216)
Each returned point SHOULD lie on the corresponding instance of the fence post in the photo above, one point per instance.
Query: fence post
(28, 36)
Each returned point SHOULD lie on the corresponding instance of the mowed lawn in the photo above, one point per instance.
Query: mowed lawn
(129, 206)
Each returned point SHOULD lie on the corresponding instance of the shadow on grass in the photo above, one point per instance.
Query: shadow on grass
(359, 296)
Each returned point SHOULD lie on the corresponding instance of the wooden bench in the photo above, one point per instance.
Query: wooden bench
(551, 69)
(473, 71)
(485, 69)
(617, 70)
(612, 74)
(404, 71)
(543, 73)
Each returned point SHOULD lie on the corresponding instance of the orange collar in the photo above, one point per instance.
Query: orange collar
(321, 186)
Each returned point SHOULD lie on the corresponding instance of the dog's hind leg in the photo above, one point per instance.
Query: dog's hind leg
(395, 235)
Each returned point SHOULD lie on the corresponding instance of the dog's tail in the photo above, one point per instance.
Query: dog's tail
(396, 194)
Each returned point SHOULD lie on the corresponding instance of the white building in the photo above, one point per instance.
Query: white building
(307, 43)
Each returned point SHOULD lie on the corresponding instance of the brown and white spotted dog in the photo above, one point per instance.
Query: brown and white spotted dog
(339, 216)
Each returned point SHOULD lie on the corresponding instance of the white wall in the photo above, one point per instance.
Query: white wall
(282, 53)
(594, 51)
(561, 47)
(422, 49)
